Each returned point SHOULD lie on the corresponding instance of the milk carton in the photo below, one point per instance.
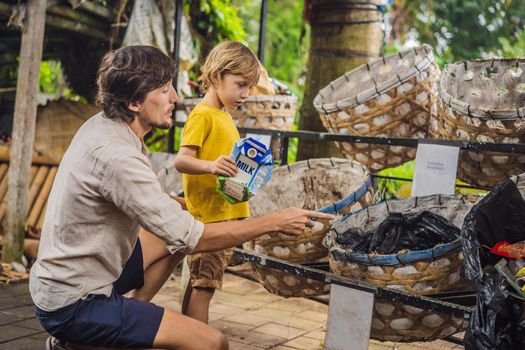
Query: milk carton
(254, 163)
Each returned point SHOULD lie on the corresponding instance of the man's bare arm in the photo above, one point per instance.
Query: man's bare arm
(292, 221)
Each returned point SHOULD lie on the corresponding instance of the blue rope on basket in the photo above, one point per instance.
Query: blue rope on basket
(401, 258)
(406, 257)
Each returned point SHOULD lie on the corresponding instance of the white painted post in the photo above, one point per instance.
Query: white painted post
(349, 319)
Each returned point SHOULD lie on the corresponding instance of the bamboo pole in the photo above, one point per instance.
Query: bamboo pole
(3, 170)
(34, 170)
(35, 159)
(41, 199)
(23, 129)
(30, 247)
(37, 185)
(40, 223)
(3, 185)
(3, 191)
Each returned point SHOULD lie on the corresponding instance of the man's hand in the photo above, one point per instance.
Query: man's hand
(293, 221)
(224, 165)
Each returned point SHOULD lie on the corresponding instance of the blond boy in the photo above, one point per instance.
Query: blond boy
(228, 73)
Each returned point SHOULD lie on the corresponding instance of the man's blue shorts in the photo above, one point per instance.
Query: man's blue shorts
(109, 322)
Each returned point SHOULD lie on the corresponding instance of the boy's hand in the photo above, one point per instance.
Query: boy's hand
(293, 221)
(224, 165)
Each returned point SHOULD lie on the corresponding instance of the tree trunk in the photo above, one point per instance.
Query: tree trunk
(24, 129)
(344, 35)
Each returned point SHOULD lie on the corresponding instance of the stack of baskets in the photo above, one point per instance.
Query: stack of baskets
(394, 96)
(326, 185)
(420, 272)
(483, 101)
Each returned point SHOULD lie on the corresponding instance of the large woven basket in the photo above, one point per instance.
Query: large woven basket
(484, 101)
(421, 272)
(394, 96)
(326, 185)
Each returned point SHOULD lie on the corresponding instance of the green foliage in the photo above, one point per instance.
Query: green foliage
(214, 21)
(157, 140)
(292, 149)
(220, 20)
(513, 47)
(386, 188)
(52, 82)
(464, 29)
(286, 39)
(50, 77)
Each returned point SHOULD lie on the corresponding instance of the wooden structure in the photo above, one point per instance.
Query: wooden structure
(23, 127)
(77, 33)
(40, 181)
(89, 31)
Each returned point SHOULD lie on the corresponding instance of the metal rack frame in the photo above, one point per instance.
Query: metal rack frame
(446, 303)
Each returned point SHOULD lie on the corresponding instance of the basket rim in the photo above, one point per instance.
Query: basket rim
(405, 257)
(341, 204)
(379, 88)
(473, 111)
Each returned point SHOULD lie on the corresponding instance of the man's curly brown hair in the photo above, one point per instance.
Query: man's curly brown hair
(126, 75)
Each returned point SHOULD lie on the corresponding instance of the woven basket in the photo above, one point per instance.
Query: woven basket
(421, 272)
(275, 112)
(326, 185)
(483, 100)
(394, 96)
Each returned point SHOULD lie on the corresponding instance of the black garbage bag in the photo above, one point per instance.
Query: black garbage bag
(497, 321)
(399, 231)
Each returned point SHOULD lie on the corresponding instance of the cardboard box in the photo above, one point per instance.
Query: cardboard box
(254, 163)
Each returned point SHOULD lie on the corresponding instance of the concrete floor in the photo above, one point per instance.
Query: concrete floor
(250, 317)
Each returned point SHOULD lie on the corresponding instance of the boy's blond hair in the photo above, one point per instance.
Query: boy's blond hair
(230, 57)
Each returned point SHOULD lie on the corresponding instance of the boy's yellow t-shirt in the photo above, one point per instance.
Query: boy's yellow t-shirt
(214, 132)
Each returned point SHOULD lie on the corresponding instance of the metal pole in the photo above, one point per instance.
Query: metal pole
(262, 30)
(176, 49)
(283, 149)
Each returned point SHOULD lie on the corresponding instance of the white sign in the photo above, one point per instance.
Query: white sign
(435, 170)
(349, 318)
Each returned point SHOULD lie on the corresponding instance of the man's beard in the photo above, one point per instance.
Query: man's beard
(163, 126)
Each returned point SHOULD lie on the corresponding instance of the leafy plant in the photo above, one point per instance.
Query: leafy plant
(458, 29)
(513, 46)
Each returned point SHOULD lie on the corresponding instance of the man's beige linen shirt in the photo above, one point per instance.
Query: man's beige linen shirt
(103, 192)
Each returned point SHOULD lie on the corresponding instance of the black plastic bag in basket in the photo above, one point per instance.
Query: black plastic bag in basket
(399, 231)
(497, 322)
